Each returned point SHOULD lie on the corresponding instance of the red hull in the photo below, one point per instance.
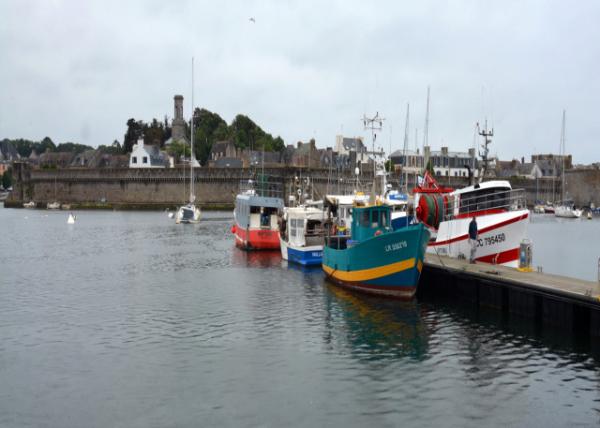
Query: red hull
(256, 239)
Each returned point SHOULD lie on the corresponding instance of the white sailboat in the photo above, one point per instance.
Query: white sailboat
(55, 204)
(71, 219)
(190, 213)
(566, 209)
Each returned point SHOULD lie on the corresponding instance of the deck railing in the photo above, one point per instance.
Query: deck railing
(504, 200)
(262, 186)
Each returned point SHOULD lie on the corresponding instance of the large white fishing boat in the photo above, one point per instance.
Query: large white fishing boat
(501, 214)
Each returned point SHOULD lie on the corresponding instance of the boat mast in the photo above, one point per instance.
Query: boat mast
(487, 140)
(562, 150)
(192, 198)
(426, 133)
(373, 124)
(404, 163)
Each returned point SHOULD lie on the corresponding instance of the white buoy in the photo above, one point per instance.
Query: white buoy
(71, 219)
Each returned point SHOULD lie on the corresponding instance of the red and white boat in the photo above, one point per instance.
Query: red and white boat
(256, 215)
(501, 213)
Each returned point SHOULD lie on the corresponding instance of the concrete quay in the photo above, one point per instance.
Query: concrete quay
(569, 303)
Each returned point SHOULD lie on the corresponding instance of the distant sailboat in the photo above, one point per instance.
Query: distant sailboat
(566, 208)
(190, 213)
(71, 219)
(55, 205)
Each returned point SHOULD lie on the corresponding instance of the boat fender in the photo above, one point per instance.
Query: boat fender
(378, 233)
(233, 229)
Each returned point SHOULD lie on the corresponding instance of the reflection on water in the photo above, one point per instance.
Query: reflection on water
(374, 328)
(255, 259)
(126, 319)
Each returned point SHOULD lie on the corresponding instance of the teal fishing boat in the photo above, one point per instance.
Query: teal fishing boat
(374, 258)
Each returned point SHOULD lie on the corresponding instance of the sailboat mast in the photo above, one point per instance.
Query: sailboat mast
(426, 133)
(192, 141)
(562, 150)
(405, 163)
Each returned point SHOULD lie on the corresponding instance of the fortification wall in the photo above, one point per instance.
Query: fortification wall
(148, 188)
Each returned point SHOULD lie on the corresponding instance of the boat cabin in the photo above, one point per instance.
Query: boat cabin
(303, 226)
(367, 222)
(257, 212)
(486, 198)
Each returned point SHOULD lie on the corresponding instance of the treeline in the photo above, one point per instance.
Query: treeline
(24, 147)
(209, 128)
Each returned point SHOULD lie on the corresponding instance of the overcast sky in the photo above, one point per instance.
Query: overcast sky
(77, 70)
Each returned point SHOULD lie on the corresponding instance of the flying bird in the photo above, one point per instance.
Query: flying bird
(252, 20)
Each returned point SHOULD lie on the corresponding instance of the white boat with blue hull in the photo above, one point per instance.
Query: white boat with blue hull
(302, 235)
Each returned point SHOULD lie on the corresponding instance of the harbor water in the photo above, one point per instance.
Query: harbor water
(125, 319)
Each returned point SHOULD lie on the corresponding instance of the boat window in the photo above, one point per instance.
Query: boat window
(375, 218)
(384, 219)
(364, 218)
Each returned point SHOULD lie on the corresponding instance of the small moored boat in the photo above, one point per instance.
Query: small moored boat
(301, 235)
(257, 209)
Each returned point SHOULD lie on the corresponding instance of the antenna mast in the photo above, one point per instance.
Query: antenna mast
(373, 124)
(487, 136)
(405, 163)
(426, 132)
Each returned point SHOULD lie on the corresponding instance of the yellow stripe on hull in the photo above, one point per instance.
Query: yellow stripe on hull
(372, 273)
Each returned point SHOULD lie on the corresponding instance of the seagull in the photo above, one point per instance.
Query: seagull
(252, 20)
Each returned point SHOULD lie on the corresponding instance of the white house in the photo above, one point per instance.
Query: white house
(147, 156)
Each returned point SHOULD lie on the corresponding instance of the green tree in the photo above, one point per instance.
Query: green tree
(113, 149)
(135, 131)
(7, 179)
(73, 147)
(45, 145)
(209, 128)
(23, 147)
(178, 149)
(154, 133)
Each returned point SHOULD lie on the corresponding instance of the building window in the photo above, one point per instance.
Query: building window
(145, 159)
(134, 159)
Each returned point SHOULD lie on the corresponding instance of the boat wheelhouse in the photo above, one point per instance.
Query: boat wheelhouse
(302, 234)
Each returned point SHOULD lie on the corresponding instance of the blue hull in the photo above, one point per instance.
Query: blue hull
(305, 258)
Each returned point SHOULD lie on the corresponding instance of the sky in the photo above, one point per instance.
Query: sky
(78, 70)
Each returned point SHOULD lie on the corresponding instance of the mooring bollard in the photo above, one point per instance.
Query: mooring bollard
(525, 256)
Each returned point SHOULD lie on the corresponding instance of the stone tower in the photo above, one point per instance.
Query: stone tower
(178, 125)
